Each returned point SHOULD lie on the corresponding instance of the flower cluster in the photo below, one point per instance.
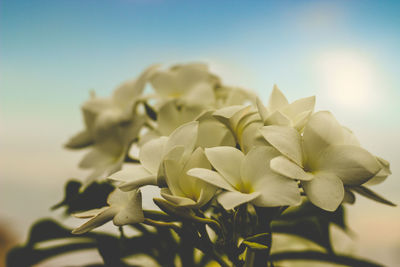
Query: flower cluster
(200, 141)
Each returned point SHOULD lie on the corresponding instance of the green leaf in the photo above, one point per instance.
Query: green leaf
(311, 228)
(323, 257)
(22, 256)
(255, 245)
(368, 193)
(308, 210)
(93, 197)
(257, 237)
(47, 230)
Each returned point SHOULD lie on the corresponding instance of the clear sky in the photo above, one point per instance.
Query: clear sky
(53, 52)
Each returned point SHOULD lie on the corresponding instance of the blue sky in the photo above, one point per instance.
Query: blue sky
(61, 49)
(53, 52)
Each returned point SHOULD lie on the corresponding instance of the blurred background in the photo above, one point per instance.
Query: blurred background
(52, 53)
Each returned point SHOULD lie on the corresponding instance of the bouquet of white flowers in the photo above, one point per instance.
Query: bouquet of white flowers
(231, 173)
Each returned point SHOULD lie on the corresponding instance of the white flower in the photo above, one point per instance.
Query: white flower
(231, 96)
(111, 125)
(237, 118)
(152, 154)
(191, 83)
(280, 112)
(170, 116)
(124, 208)
(212, 132)
(247, 178)
(107, 154)
(321, 159)
(183, 189)
(351, 139)
(101, 114)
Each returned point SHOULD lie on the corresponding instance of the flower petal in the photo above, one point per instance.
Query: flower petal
(201, 94)
(170, 116)
(382, 174)
(150, 154)
(277, 100)
(129, 186)
(276, 190)
(325, 190)
(96, 157)
(89, 213)
(227, 161)
(321, 131)
(299, 106)
(186, 136)
(228, 112)
(190, 185)
(255, 165)
(178, 200)
(262, 110)
(277, 118)
(130, 173)
(300, 120)
(173, 172)
(132, 212)
(251, 137)
(286, 140)
(288, 168)
(206, 194)
(80, 140)
(130, 90)
(353, 164)
(229, 200)
(96, 221)
(211, 177)
(213, 133)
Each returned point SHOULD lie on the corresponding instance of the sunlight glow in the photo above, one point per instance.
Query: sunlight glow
(348, 79)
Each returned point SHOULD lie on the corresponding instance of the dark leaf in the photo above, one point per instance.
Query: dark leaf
(311, 228)
(22, 256)
(307, 210)
(323, 257)
(255, 245)
(46, 230)
(368, 193)
(93, 197)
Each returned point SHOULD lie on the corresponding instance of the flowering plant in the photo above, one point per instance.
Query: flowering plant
(231, 174)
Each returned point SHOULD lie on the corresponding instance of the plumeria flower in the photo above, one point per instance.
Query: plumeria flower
(237, 118)
(123, 208)
(212, 132)
(108, 153)
(150, 170)
(351, 139)
(247, 178)
(382, 174)
(170, 116)
(191, 83)
(101, 114)
(231, 96)
(111, 125)
(183, 189)
(280, 112)
(320, 159)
